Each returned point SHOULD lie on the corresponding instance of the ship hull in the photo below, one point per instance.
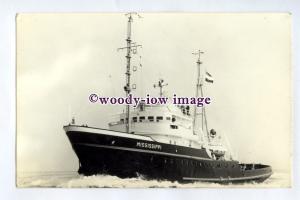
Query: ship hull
(106, 152)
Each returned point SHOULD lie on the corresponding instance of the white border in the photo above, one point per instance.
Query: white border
(8, 10)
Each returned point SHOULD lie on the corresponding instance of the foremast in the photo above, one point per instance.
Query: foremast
(129, 47)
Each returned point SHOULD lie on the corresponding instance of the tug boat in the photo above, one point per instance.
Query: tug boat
(162, 142)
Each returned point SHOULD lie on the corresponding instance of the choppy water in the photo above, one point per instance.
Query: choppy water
(74, 180)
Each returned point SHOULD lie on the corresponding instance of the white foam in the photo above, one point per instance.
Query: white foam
(73, 180)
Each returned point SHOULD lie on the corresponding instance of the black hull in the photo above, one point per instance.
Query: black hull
(128, 157)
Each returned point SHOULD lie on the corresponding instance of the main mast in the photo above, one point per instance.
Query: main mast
(199, 88)
(198, 85)
(129, 47)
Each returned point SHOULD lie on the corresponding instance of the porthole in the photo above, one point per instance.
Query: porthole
(173, 119)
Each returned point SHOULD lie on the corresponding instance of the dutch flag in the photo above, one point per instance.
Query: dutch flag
(208, 77)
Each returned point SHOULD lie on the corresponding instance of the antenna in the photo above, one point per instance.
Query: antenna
(160, 84)
(131, 48)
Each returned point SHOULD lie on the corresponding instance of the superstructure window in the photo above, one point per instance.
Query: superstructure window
(168, 118)
(142, 118)
(122, 120)
(134, 119)
(174, 126)
(159, 118)
(151, 118)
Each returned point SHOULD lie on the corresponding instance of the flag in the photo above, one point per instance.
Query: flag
(208, 77)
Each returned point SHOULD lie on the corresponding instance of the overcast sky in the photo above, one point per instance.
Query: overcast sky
(62, 58)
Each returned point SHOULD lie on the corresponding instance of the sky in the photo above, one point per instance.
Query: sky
(62, 58)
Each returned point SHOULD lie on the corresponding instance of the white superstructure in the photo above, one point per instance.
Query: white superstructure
(166, 124)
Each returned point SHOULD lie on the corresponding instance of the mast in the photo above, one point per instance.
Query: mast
(129, 47)
(199, 85)
(160, 84)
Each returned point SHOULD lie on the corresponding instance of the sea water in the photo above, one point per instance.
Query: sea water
(71, 179)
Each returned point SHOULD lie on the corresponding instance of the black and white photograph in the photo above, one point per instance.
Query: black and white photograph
(153, 100)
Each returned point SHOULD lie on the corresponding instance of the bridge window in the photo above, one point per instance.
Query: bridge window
(134, 119)
(159, 118)
(151, 118)
(142, 118)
